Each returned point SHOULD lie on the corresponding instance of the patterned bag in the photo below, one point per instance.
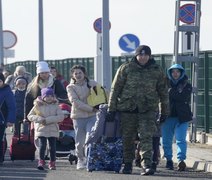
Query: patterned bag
(105, 155)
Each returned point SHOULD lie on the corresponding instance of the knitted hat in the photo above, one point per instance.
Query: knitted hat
(20, 79)
(42, 66)
(143, 50)
(2, 77)
(46, 92)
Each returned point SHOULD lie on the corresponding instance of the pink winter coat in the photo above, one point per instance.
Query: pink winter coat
(52, 114)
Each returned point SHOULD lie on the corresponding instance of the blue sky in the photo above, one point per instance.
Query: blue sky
(69, 32)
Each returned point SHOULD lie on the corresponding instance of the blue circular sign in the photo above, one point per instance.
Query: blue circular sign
(129, 42)
(97, 25)
(187, 13)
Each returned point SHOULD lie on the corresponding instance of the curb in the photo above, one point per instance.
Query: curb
(203, 166)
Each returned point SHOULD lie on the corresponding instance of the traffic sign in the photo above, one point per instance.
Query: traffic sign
(129, 42)
(10, 39)
(188, 42)
(97, 25)
(187, 13)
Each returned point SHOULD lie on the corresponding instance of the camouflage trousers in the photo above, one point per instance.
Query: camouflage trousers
(145, 125)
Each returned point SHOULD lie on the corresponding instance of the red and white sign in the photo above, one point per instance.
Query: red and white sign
(10, 39)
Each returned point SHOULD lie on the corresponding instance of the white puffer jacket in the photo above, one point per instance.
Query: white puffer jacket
(77, 94)
(52, 114)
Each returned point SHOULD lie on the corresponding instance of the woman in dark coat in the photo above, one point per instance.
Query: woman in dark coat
(180, 114)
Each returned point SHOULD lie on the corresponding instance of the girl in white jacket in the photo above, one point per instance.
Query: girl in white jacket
(46, 114)
(83, 115)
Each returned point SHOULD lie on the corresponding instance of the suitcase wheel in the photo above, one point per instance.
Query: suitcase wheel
(12, 158)
(72, 158)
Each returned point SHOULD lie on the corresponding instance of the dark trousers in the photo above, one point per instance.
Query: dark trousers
(42, 147)
(156, 149)
(2, 131)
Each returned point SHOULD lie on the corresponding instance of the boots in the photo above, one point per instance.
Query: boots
(169, 165)
(181, 166)
(41, 164)
(127, 168)
(145, 171)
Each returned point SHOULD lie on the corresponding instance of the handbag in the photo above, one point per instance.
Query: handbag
(97, 96)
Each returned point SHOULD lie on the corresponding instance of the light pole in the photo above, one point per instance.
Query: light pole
(1, 37)
(41, 46)
(105, 45)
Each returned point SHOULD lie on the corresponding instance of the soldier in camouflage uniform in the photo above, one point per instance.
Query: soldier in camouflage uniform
(137, 89)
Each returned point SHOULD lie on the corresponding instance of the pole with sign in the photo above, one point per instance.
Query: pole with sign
(129, 42)
(1, 36)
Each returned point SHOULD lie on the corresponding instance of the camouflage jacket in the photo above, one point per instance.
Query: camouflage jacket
(138, 88)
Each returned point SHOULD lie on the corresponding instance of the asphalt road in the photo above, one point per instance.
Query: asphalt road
(26, 170)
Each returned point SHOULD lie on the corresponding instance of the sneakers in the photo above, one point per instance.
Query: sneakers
(41, 164)
(127, 168)
(52, 165)
(169, 165)
(147, 171)
(181, 166)
(80, 164)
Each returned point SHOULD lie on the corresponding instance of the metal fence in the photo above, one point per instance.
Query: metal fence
(204, 107)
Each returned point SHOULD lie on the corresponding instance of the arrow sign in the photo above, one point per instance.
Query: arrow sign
(188, 34)
(187, 42)
(129, 42)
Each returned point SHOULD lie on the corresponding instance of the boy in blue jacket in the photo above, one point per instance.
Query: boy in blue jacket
(180, 114)
(7, 111)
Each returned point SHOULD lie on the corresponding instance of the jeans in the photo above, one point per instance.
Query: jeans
(172, 127)
(42, 147)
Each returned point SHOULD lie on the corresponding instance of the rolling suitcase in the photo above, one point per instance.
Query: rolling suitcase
(22, 146)
(106, 153)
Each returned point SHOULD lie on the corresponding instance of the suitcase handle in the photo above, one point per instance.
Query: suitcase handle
(115, 126)
(29, 130)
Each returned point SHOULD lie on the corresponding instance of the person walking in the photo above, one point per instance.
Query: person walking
(19, 71)
(7, 112)
(83, 115)
(138, 87)
(180, 114)
(57, 75)
(19, 94)
(46, 114)
(42, 80)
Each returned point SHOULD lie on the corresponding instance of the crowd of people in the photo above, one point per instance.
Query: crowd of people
(148, 100)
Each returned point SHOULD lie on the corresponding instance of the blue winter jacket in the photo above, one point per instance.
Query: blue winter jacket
(7, 105)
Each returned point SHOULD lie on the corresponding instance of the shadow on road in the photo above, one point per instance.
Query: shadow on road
(20, 170)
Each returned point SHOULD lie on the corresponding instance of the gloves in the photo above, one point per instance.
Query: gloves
(162, 118)
(110, 116)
